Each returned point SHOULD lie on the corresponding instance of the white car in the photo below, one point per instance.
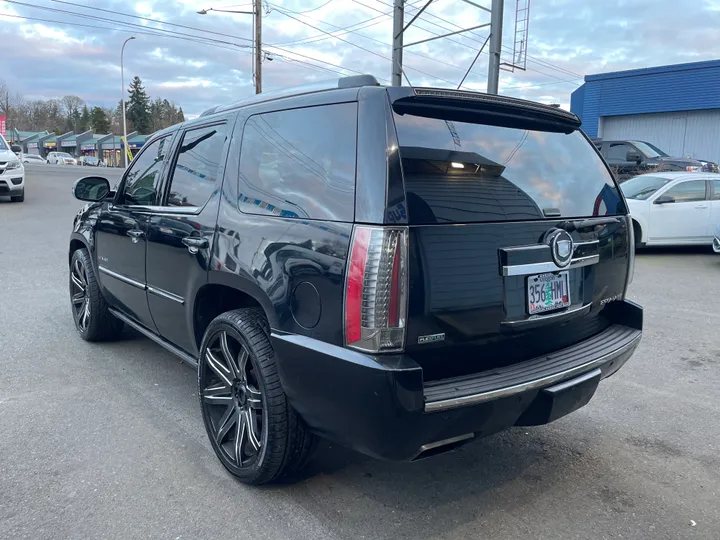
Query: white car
(61, 158)
(12, 173)
(32, 158)
(673, 208)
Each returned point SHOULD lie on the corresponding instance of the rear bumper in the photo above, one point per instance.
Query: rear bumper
(379, 405)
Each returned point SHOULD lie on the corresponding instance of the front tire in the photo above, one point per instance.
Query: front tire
(18, 198)
(254, 432)
(93, 319)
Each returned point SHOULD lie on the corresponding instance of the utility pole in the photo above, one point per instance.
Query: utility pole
(258, 46)
(496, 21)
(397, 52)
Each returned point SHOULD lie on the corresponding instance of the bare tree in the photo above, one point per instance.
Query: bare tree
(10, 104)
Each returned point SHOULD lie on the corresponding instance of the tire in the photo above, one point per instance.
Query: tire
(93, 319)
(637, 234)
(254, 432)
(19, 198)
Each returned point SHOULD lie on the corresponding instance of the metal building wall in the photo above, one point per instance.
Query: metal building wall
(665, 89)
(693, 133)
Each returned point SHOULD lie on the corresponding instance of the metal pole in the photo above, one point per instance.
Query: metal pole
(397, 53)
(258, 46)
(122, 96)
(496, 20)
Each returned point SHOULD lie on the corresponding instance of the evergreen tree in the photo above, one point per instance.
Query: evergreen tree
(180, 115)
(99, 121)
(84, 123)
(138, 111)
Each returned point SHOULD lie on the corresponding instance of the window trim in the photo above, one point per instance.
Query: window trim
(163, 207)
(120, 192)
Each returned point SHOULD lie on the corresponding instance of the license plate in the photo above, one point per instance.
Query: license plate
(546, 292)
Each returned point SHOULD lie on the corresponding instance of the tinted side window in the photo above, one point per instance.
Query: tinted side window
(300, 163)
(688, 191)
(194, 176)
(716, 190)
(143, 176)
(618, 151)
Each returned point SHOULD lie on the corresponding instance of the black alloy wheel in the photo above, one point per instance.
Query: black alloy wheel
(79, 295)
(254, 432)
(93, 319)
(232, 400)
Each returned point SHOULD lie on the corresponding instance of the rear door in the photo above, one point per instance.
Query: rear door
(518, 236)
(181, 229)
(687, 219)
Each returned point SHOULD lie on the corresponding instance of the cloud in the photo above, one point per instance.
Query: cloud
(58, 56)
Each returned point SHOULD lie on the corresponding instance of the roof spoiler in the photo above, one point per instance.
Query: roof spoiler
(481, 108)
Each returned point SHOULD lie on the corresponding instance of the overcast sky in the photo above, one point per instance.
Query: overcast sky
(567, 39)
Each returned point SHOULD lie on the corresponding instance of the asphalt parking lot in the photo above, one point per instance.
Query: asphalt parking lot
(106, 441)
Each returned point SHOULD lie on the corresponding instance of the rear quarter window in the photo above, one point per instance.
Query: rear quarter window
(458, 172)
(300, 163)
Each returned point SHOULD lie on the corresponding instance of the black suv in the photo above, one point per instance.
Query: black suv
(632, 158)
(399, 270)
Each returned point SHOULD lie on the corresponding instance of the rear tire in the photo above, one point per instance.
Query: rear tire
(254, 432)
(93, 319)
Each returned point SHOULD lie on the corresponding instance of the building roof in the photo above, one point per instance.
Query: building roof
(654, 70)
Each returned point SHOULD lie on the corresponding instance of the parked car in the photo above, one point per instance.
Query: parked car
(32, 158)
(61, 158)
(12, 173)
(631, 158)
(89, 161)
(673, 208)
(399, 270)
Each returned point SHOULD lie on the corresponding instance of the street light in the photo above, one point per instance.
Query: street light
(122, 95)
(257, 41)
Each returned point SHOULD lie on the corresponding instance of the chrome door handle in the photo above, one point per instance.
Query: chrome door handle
(194, 244)
(135, 235)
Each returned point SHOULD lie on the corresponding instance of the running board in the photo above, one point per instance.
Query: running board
(185, 357)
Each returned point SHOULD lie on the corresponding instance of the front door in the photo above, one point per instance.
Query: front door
(181, 231)
(121, 234)
(684, 221)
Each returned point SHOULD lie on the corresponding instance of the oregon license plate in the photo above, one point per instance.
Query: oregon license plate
(546, 292)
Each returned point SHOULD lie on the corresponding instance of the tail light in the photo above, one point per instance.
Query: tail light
(631, 252)
(376, 289)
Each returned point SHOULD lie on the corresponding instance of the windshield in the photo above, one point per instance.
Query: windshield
(460, 172)
(642, 187)
(3, 144)
(649, 150)
(64, 154)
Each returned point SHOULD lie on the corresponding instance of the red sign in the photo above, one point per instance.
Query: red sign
(2, 126)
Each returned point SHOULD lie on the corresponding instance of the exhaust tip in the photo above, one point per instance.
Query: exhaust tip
(440, 447)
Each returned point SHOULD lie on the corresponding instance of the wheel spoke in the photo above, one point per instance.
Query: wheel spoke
(242, 428)
(217, 366)
(228, 420)
(78, 298)
(254, 397)
(227, 354)
(218, 395)
(252, 430)
(85, 315)
(242, 363)
(77, 282)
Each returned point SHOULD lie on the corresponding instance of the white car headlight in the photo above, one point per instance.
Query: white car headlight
(14, 164)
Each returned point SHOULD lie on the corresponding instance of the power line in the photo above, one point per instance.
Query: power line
(359, 46)
(315, 9)
(151, 20)
(375, 40)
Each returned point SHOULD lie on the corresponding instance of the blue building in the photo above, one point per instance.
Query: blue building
(676, 108)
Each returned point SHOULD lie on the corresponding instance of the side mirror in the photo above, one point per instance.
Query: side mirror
(91, 188)
(664, 199)
(632, 155)
(16, 148)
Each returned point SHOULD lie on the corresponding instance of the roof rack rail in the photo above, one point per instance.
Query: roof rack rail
(355, 81)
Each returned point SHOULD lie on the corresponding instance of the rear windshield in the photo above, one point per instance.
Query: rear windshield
(642, 187)
(458, 172)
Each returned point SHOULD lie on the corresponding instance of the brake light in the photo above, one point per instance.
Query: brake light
(376, 289)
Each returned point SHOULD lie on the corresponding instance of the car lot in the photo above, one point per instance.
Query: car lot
(106, 441)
